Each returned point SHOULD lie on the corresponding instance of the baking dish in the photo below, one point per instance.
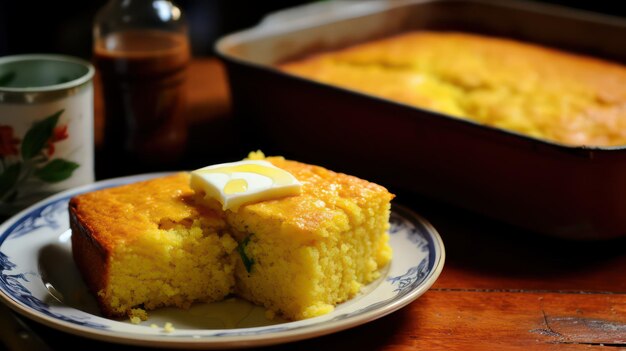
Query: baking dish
(571, 192)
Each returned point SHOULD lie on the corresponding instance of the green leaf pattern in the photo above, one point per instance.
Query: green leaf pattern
(38, 135)
(56, 171)
(34, 162)
(8, 179)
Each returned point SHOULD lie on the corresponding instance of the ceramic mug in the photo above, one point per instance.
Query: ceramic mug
(46, 127)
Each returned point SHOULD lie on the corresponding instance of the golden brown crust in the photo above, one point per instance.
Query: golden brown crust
(118, 215)
(324, 192)
(91, 258)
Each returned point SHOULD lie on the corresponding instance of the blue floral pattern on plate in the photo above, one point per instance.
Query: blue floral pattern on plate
(13, 285)
(43, 217)
(418, 260)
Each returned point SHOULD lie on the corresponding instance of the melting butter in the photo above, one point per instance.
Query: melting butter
(237, 183)
(235, 186)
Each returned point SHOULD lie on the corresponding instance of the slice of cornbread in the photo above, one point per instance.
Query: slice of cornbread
(314, 250)
(156, 243)
(147, 244)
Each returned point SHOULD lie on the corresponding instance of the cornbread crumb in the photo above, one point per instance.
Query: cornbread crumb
(270, 315)
(256, 155)
(168, 328)
(137, 315)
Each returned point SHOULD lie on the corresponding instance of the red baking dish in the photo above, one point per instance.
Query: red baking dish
(570, 192)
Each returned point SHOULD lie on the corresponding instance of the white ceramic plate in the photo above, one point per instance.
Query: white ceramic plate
(39, 280)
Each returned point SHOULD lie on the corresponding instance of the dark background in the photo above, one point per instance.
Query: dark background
(65, 26)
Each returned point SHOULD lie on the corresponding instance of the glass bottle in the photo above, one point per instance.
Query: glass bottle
(141, 52)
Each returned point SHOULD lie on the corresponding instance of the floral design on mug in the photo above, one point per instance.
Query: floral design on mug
(59, 133)
(8, 142)
(22, 159)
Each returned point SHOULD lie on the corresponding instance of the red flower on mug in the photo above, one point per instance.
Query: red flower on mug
(59, 133)
(8, 142)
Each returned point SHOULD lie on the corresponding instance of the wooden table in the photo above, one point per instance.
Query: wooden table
(501, 288)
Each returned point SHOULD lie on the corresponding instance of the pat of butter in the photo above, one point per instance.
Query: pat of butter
(237, 183)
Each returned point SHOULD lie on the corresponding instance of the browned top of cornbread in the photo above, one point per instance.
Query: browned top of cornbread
(120, 214)
(539, 91)
(327, 203)
(117, 215)
(325, 185)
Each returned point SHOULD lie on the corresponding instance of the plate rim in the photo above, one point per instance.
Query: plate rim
(234, 341)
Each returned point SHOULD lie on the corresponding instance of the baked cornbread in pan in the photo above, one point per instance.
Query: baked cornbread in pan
(534, 90)
(157, 243)
(544, 186)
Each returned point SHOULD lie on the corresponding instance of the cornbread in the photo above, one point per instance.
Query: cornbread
(316, 249)
(537, 91)
(157, 243)
(148, 245)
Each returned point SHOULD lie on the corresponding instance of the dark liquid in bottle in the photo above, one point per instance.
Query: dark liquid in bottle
(143, 74)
